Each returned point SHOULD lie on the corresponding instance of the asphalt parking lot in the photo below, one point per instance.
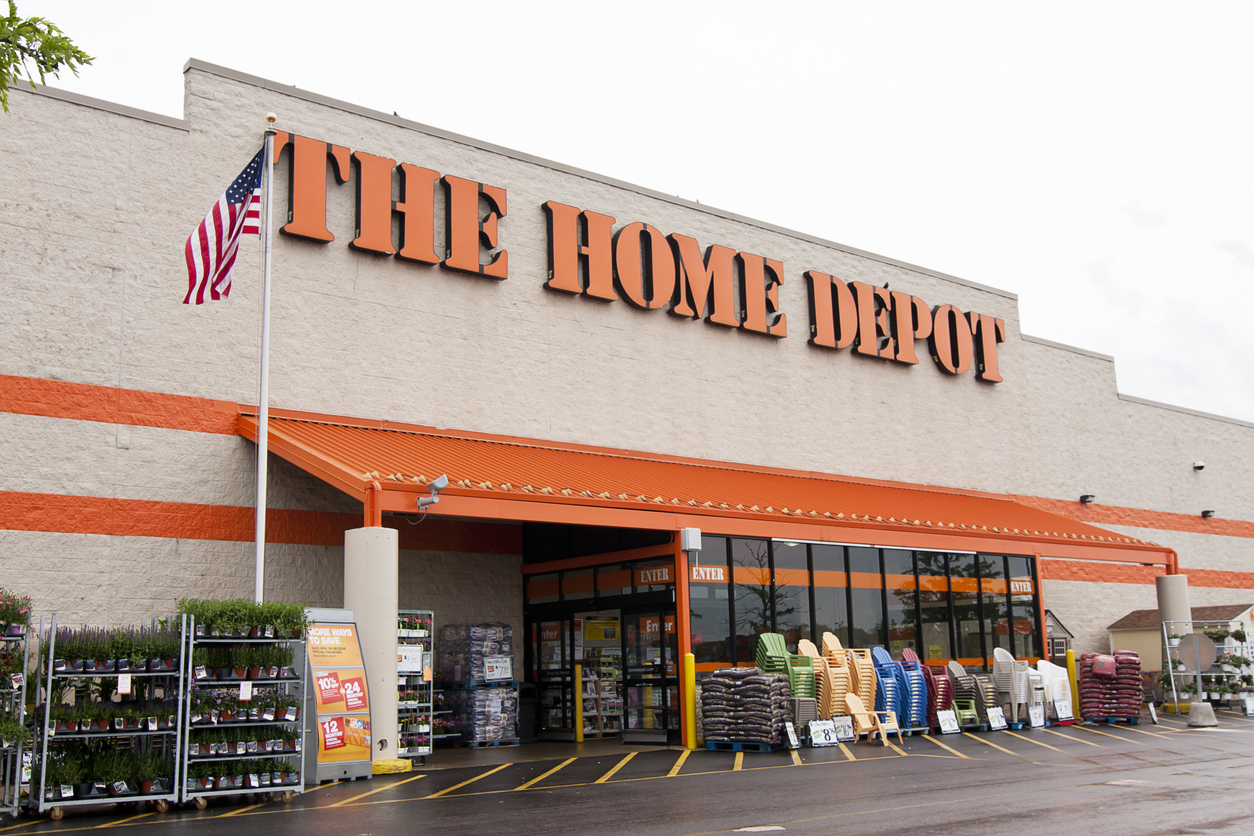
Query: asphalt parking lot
(675, 791)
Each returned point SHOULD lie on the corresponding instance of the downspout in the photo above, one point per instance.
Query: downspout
(374, 505)
(1173, 562)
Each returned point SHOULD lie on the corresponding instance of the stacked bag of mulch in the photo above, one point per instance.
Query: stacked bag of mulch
(745, 705)
(487, 715)
(468, 650)
(1110, 686)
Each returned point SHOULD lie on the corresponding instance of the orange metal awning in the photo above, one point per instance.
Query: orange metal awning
(503, 478)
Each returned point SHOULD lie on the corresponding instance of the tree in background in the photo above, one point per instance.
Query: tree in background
(36, 42)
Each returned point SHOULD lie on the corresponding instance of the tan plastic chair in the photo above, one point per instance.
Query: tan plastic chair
(805, 647)
(872, 722)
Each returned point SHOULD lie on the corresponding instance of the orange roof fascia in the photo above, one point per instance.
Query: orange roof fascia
(598, 486)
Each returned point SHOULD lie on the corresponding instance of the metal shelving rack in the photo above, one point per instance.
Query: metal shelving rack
(13, 704)
(1192, 631)
(54, 800)
(292, 685)
(415, 717)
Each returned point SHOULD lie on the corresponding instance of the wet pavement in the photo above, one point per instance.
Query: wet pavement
(1112, 779)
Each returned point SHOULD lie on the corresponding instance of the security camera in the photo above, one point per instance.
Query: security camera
(1199, 465)
(437, 485)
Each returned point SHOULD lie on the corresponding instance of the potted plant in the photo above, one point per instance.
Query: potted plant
(149, 772)
(60, 776)
(1217, 634)
(1239, 635)
(14, 612)
(1174, 640)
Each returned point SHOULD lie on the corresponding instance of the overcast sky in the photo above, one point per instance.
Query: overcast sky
(1094, 158)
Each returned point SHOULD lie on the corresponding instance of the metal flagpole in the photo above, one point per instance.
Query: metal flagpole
(263, 417)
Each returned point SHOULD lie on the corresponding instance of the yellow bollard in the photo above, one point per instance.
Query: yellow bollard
(578, 703)
(690, 700)
(1075, 684)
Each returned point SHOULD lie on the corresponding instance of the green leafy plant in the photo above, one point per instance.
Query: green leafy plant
(33, 42)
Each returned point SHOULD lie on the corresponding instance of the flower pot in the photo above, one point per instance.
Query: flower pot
(77, 665)
(58, 664)
(85, 790)
(272, 672)
(241, 673)
(1173, 642)
(15, 630)
(147, 786)
(205, 783)
(106, 665)
(226, 716)
(122, 665)
(254, 673)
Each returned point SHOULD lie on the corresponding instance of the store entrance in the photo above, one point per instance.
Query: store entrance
(650, 675)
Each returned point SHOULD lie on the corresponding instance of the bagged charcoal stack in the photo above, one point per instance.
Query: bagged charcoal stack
(487, 714)
(700, 718)
(1099, 686)
(1128, 693)
(745, 705)
(477, 652)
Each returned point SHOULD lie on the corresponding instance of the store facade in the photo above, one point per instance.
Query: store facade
(868, 447)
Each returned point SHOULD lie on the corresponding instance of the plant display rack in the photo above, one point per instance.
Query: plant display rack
(13, 730)
(1230, 677)
(233, 745)
(602, 702)
(415, 718)
(94, 750)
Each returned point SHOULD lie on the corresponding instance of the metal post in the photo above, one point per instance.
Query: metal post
(263, 398)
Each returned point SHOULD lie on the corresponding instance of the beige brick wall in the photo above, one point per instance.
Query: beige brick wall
(95, 207)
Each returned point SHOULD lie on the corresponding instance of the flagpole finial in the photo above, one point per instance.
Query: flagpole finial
(271, 118)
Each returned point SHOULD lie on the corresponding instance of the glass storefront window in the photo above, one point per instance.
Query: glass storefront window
(541, 589)
(1023, 607)
(831, 604)
(934, 607)
(899, 581)
(576, 584)
(993, 589)
(613, 580)
(751, 574)
(965, 589)
(791, 597)
(654, 575)
(867, 597)
(710, 616)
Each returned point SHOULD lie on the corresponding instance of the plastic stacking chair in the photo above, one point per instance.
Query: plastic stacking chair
(882, 723)
(805, 647)
(831, 645)
(965, 712)
(862, 675)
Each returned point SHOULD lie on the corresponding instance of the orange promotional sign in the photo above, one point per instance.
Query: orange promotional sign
(637, 263)
(340, 690)
(648, 627)
(1021, 587)
(654, 575)
(333, 645)
(343, 739)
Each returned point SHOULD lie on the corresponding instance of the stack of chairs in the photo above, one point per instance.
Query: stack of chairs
(890, 680)
(944, 695)
(1057, 684)
(831, 678)
(986, 695)
(772, 655)
(801, 676)
(916, 702)
(862, 676)
(965, 700)
(1014, 688)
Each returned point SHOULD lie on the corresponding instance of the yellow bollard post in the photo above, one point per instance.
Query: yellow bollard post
(690, 700)
(1075, 684)
(578, 703)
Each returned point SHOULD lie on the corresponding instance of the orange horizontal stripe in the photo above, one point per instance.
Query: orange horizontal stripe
(1082, 570)
(182, 520)
(826, 578)
(865, 580)
(85, 402)
(792, 577)
(751, 575)
(1095, 514)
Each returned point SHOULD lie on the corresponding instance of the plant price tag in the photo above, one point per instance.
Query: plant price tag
(152, 724)
(1036, 716)
(844, 728)
(201, 673)
(290, 714)
(948, 721)
(823, 733)
(16, 679)
(124, 683)
(67, 790)
(245, 691)
(793, 742)
(1062, 709)
(997, 718)
(1249, 706)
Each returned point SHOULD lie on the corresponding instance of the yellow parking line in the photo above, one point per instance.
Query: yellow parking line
(999, 748)
(1056, 749)
(947, 748)
(1078, 739)
(796, 757)
(537, 780)
(372, 792)
(471, 781)
(848, 754)
(124, 821)
(675, 769)
(893, 746)
(607, 776)
(234, 812)
(740, 762)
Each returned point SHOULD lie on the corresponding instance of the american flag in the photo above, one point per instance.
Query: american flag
(212, 247)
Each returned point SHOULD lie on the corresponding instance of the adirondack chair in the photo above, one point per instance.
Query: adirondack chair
(872, 722)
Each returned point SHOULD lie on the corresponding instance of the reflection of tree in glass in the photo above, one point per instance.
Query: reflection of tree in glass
(753, 601)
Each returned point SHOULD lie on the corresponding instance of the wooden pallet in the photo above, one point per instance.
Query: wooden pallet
(740, 746)
(1131, 721)
(485, 744)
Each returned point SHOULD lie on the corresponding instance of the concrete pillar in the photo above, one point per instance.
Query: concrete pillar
(372, 592)
(1173, 599)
